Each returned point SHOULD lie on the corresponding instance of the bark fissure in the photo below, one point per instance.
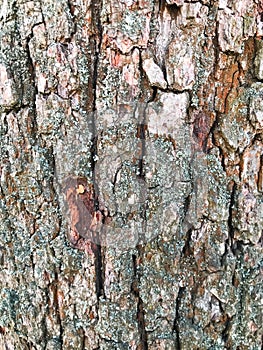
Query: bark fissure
(135, 289)
(97, 251)
(44, 320)
(73, 17)
(57, 307)
(176, 324)
(212, 132)
(260, 176)
(225, 332)
(31, 63)
(96, 9)
(142, 130)
(231, 228)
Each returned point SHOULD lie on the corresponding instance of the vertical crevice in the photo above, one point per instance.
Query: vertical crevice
(176, 325)
(187, 250)
(96, 8)
(186, 226)
(225, 332)
(231, 229)
(161, 8)
(33, 86)
(99, 270)
(71, 11)
(141, 128)
(44, 321)
(212, 132)
(140, 307)
(53, 167)
(31, 67)
(216, 45)
(141, 135)
(57, 309)
(260, 175)
(141, 324)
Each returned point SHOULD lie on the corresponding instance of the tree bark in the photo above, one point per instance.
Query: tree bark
(131, 174)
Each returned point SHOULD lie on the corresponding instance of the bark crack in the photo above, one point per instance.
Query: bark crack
(142, 128)
(97, 29)
(225, 332)
(97, 251)
(56, 302)
(176, 326)
(260, 175)
(231, 229)
(140, 307)
(71, 10)
(44, 320)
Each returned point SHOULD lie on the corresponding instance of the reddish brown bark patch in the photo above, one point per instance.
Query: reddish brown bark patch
(201, 129)
(85, 219)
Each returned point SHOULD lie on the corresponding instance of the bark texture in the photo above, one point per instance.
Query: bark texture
(131, 174)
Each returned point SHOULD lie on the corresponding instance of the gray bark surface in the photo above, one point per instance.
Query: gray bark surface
(131, 206)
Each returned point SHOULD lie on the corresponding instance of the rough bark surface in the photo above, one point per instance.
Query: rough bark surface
(131, 174)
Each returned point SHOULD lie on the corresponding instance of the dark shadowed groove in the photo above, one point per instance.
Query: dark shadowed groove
(96, 8)
(71, 11)
(176, 327)
(44, 321)
(141, 324)
(231, 229)
(225, 332)
(187, 250)
(142, 129)
(260, 176)
(57, 309)
(212, 132)
(96, 249)
(142, 124)
(140, 307)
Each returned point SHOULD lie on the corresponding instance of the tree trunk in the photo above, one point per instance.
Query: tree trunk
(131, 174)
